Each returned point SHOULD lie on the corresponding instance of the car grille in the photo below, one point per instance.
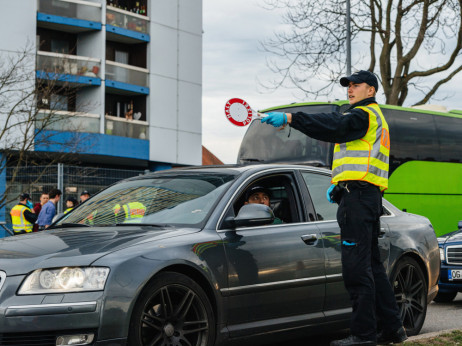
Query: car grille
(36, 339)
(454, 254)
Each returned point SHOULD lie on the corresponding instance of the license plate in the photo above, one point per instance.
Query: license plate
(454, 275)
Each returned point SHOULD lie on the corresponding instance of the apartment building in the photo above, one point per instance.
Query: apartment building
(132, 71)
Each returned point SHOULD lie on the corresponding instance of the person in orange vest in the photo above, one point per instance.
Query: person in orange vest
(22, 215)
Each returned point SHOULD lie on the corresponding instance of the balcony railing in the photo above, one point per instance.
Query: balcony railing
(67, 121)
(127, 20)
(77, 9)
(126, 128)
(126, 73)
(55, 65)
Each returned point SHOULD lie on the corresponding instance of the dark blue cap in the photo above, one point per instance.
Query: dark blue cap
(361, 77)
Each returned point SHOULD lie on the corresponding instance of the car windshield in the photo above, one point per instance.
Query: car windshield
(165, 200)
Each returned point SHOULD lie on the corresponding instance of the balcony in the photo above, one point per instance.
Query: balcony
(68, 68)
(126, 128)
(69, 15)
(126, 79)
(126, 27)
(52, 120)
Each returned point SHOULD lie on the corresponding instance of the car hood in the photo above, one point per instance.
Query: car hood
(73, 247)
(452, 237)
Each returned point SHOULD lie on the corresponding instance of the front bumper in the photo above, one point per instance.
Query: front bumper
(446, 285)
(46, 316)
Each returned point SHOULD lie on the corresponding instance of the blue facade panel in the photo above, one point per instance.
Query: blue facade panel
(92, 144)
(128, 33)
(127, 87)
(43, 17)
(70, 78)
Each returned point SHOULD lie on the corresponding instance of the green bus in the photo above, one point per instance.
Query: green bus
(425, 156)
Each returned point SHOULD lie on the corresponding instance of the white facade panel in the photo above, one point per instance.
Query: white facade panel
(191, 16)
(190, 58)
(164, 12)
(189, 148)
(163, 102)
(190, 108)
(164, 51)
(18, 25)
(163, 145)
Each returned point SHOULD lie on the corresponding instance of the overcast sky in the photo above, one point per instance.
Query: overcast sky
(233, 63)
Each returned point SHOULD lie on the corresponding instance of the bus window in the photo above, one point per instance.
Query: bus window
(450, 138)
(412, 136)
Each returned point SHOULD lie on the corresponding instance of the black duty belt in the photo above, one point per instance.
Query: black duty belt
(355, 184)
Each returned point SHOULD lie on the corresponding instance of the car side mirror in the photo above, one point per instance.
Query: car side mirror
(459, 225)
(254, 215)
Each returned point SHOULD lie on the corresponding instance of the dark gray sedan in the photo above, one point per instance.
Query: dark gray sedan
(178, 258)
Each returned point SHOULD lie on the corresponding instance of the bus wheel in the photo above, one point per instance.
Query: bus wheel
(410, 289)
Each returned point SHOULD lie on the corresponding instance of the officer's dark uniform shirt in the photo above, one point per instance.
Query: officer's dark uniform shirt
(335, 127)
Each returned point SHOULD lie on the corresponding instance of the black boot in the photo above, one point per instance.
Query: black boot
(353, 340)
(396, 337)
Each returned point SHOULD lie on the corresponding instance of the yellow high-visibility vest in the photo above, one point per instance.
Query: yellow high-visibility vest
(366, 158)
(18, 219)
(133, 211)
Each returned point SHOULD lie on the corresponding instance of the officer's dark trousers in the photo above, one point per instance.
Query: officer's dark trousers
(363, 272)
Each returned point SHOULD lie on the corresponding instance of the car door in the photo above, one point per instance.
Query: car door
(275, 279)
(337, 300)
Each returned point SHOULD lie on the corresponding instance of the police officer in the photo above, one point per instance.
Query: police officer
(22, 215)
(359, 176)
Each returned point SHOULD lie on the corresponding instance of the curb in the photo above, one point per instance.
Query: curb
(429, 335)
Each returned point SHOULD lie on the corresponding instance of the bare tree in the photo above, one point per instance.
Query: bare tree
(28, 119)
(407, 43)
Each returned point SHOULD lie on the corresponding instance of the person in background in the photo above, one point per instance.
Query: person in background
(22, 215)
(48, 211)
(84, 196)
(38, 207)
(71, 203)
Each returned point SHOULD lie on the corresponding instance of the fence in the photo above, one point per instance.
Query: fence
(71, 180)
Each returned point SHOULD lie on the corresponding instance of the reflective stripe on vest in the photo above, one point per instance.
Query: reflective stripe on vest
(366, 158)
(19, 221)
(134, 210)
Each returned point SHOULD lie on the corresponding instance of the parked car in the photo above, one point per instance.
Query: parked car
(177, 258)
(450, 282)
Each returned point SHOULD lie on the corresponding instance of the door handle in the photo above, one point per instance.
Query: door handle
(309, 239)
(381, 232)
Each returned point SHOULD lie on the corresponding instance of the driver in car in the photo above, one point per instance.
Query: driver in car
(260, 195)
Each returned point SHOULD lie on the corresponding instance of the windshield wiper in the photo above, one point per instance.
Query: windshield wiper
(68, 225)
(142, 224)
(251, 160)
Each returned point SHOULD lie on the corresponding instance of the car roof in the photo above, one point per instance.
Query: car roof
(233, 169)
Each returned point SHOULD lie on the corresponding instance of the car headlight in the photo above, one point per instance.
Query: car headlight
(65, 280)
(441, 254)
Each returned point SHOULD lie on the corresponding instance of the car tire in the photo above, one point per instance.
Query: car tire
(445, 297)
(172, 310)
(410, 288)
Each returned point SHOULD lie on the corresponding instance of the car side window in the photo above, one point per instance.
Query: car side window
(282, 198)
(317, 185)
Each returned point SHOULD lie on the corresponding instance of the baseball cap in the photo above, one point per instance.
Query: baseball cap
(24, 196)
(255, 189)
(85, 192)
(361, 77)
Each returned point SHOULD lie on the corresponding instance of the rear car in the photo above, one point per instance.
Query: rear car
(450, 282)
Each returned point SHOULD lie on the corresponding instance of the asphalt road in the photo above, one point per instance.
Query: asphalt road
(440, 316)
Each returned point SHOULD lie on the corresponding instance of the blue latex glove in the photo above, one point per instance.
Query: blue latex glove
(277, 119)
(29, 204)
(329, 193)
